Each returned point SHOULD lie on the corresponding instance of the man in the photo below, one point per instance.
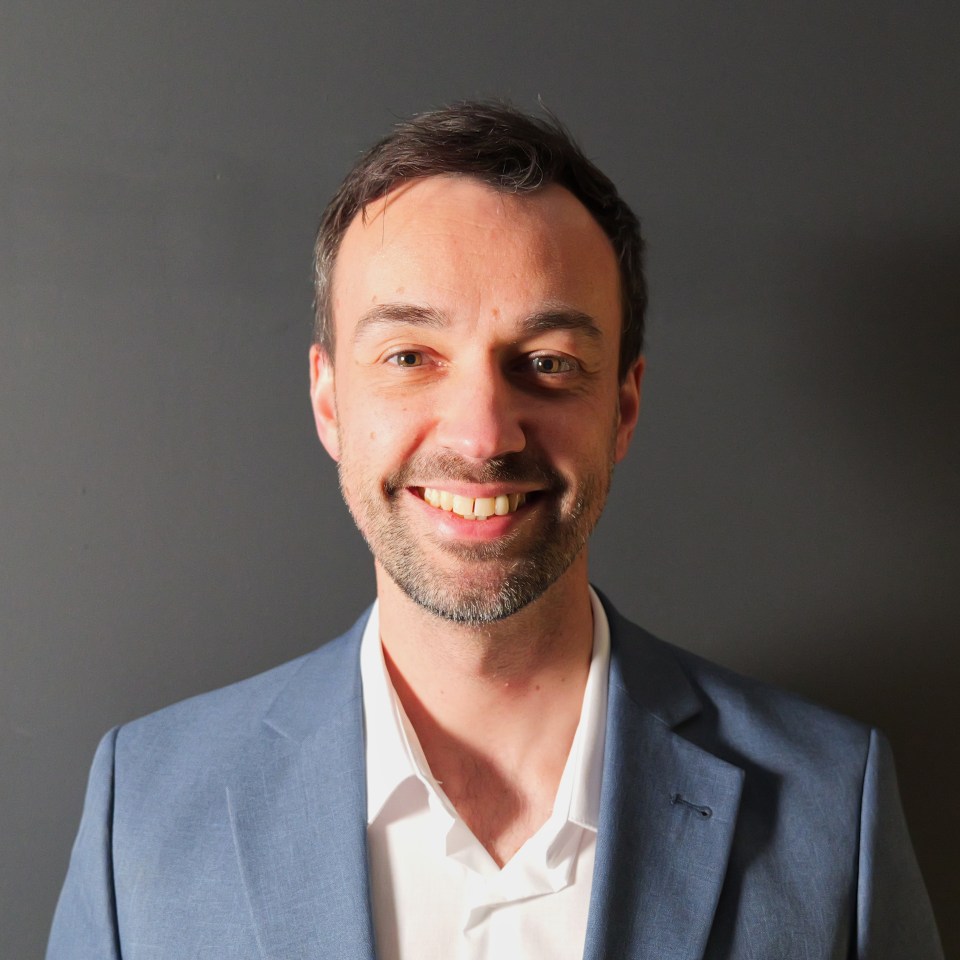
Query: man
(491, 763)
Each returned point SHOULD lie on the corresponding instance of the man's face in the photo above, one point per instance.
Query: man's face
(474, 405)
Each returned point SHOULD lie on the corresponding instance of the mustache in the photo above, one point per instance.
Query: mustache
(510, 468)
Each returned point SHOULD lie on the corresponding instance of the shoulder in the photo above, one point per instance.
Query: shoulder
(768, 709)
(733, 715)
(220, 714)
(215, 729)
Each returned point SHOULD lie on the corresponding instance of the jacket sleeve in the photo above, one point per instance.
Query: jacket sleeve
(894, 917)
(85, 922)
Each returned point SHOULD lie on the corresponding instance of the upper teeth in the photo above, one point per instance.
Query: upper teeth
(473, 508)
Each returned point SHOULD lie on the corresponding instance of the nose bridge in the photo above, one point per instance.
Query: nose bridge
(481, 415)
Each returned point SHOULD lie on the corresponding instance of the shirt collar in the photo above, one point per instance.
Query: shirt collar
(394, 755)
(390, 758)
(585, 763)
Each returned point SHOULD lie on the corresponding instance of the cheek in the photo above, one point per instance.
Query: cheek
(377, 435)
(579, 435)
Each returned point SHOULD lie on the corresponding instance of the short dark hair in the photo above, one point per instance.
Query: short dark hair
(501, 146)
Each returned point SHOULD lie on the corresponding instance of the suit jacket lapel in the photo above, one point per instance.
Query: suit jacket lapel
(299, 815)
(668, 812)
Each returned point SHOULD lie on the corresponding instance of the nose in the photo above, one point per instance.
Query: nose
(481, 414)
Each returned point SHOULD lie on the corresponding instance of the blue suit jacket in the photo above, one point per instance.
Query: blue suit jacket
(737, 822)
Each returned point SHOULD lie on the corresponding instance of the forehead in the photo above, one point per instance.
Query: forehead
(464, 248)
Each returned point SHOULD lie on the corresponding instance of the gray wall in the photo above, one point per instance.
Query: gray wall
(169, 523)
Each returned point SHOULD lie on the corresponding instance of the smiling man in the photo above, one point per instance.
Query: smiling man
(492, 763)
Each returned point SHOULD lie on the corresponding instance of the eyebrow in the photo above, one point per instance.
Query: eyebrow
(398, 314)
(562, 319)
(408, 314)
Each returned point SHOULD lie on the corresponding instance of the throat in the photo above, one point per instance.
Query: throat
(499, 766)
(501, 813)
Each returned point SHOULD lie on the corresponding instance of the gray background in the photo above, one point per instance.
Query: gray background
(168, 521)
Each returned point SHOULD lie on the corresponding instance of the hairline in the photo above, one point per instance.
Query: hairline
(514, 152)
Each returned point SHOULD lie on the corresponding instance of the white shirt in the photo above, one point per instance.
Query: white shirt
(437, 894)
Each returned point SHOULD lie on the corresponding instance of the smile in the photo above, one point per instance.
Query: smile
(474, 508)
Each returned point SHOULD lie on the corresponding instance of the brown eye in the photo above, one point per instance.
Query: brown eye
(551, 365)
(409, 358)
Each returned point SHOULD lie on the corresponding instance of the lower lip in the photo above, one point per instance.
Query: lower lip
(449, 524)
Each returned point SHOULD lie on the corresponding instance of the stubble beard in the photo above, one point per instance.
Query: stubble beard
(484, 582)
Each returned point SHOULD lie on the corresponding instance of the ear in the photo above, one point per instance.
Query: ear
(629, 408)
(323, 399)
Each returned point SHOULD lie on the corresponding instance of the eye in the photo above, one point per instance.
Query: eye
(406, 358)
(552, 365)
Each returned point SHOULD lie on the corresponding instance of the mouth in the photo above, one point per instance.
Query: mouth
(472, 508)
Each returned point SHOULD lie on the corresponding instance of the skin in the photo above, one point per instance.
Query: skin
(477, 342)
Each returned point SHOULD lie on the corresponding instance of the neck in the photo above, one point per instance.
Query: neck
(495, 706)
